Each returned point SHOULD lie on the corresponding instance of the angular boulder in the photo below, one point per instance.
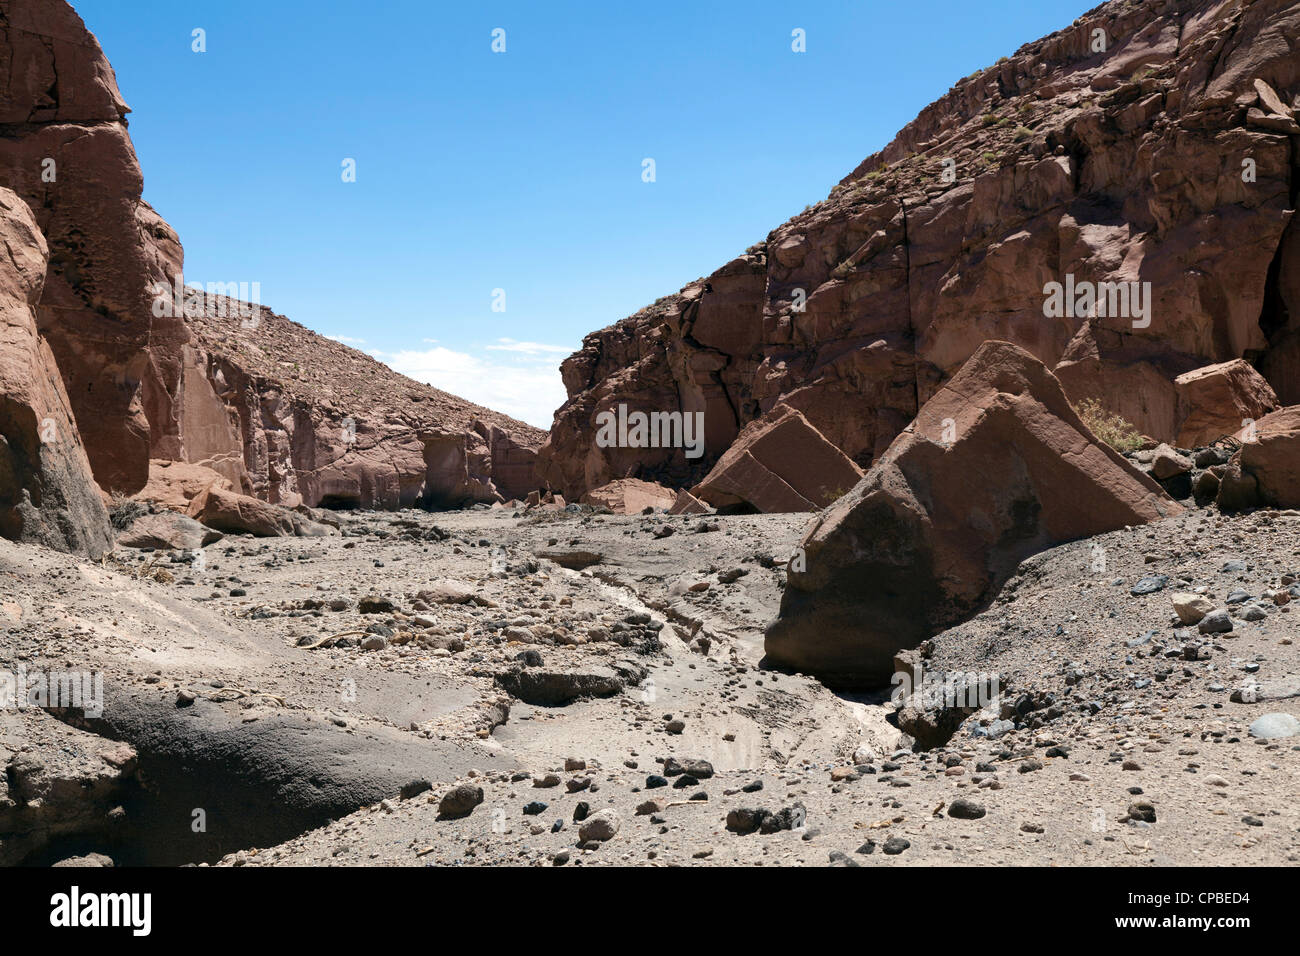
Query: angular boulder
(174, 484)
(630, 496)
(1266, 469)
(168, 530)
(241, 514)
(1216, 400)
(47, 494)
(687, 504)
(779, 463)
(996, 466)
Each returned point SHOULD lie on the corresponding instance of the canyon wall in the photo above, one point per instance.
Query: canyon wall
(46, 492)
(1169, 157)
(147, 381)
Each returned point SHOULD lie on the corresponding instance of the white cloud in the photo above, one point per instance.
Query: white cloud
(529, 392)
(529, 348)
(346, 340)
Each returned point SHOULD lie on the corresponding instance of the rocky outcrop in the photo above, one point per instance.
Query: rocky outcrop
(778, 463)
(1219, 400)
(1162, 160)
(996, 467)
(156, 371)
(168, 530)
(47, 494)
(1266, 469)
(64, 149)
(294, 418)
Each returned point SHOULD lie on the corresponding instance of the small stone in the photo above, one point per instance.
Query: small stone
(1216, 622)
(599, 827)
(1274, 726)
(1142, 811)
(415, 788)
(1149, 585)
(1191, 608)
(699, 769)
(460, 801)
(963, 809)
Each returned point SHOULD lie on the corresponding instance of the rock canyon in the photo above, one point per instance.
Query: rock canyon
(1016, 406)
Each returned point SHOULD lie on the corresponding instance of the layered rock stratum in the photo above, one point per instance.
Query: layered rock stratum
(1166, 158)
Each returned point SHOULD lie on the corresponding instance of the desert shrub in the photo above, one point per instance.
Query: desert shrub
(123, 511)
(1109, 428)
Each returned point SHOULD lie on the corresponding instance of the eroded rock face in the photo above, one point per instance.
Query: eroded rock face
(996, 467)
(64, 149)
(294, 418)
(1126, 166)
(47, 494)
(174, 377)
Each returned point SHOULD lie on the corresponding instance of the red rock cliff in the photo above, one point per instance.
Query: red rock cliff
(144, 385)
(1169, 158)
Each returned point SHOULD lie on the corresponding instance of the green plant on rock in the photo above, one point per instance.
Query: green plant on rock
(1110, 428)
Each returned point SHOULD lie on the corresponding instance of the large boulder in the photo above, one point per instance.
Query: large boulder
(47, 494)
(229, 511)
(996, 467)
(168, 530)
(1217, 400)
(779, 463)
(630, 496)
(1266, 469)
(174, 484)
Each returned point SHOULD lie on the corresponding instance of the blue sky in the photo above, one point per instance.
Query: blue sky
(521, 170)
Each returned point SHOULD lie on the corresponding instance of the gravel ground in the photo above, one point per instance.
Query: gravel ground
(598, 679)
